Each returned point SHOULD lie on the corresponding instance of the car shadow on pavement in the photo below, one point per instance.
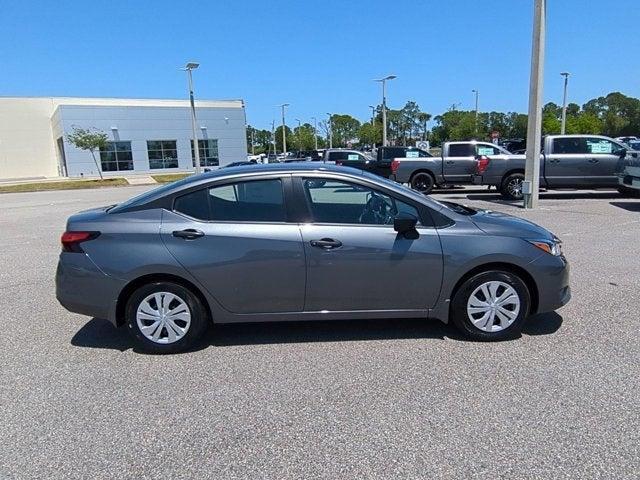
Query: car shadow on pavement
(99, 333)
(543, 324)
(631, 206)
(329, 331)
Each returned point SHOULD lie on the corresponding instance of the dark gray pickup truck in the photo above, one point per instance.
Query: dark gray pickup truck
(566, 161)
(455, 165)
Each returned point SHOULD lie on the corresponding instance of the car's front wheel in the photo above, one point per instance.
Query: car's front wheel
(491, 305)
(165, 317)
(511, 187)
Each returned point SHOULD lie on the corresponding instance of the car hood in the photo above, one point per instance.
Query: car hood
(496, 223)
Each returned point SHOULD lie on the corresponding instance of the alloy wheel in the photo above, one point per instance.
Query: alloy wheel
(163, 317)
(493, 306)
(514, 187)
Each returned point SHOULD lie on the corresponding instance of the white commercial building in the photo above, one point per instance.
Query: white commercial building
(145, 135)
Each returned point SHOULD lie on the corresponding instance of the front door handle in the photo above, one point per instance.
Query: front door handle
(450, 162)
(554, 160)
(188, 234)
(326, 243)
(593, 160)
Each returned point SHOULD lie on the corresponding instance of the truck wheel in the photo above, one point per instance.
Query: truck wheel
(511, 187)
(423, 182)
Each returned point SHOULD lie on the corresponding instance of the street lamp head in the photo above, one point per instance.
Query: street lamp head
(565, 74)
(388, 77)
(191, 66)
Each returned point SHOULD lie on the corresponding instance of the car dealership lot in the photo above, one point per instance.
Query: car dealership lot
(365, 399)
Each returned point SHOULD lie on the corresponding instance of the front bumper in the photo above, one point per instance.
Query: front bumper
(551, 275)
(81, 287)
(630, 180)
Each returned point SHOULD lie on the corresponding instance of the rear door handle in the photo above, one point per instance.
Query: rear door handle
(554, 160)
(326, 243)
(188, 234)
(593, 160)
(450, 162)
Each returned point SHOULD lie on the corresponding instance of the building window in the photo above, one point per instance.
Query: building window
(162, 154)
(116, 156)
(208, 150)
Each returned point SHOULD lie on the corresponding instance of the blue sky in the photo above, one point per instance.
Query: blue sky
(318, 56)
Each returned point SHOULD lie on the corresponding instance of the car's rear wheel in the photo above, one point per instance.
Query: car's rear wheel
(511, 187)
(491, 305)
(165, 317)
(423, 182)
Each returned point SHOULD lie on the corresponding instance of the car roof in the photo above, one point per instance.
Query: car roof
(231, 172)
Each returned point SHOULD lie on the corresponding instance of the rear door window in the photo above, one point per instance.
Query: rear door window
(570, 145)
(250, 201)
(462, 150)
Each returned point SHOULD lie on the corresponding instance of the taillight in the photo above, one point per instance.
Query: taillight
(395, 164)
(481, 164)
(71, 240)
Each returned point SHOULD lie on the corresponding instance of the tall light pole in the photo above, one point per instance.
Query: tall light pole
(564, 102)
(298, 141)
(330, 131)
(253, 145)
(315, 131)
(373, 114)
(475, 125)
(384, 106)
(534, 125)
(284, 133)
(189, 67)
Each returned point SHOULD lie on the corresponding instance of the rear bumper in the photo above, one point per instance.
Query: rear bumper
(81, 287)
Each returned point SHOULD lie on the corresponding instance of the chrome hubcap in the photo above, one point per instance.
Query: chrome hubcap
(163, 317)
(515, 187)
(493, 306)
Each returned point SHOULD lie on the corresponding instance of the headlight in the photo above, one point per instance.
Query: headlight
(553, 247)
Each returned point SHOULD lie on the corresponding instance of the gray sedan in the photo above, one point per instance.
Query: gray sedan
(303, 242)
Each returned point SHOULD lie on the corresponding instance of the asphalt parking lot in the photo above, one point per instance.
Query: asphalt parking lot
(365, 399)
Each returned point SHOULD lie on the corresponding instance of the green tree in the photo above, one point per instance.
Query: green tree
(304, 137)
(289, 137)
(370, 134)
(345, 129)
(90, 139)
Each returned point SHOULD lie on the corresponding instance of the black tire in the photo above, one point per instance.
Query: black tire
(629, 192)
(423, 182)
(199, 320)
(511, 187)
(463, 322)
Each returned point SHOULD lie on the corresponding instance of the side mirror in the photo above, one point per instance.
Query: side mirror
(404, 222)
(623, 153)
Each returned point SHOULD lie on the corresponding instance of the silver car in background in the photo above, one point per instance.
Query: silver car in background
(303, 242)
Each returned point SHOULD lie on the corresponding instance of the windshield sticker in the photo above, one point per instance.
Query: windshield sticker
(353, 156)
(413, 154)
(485, 150)
(601, 146)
